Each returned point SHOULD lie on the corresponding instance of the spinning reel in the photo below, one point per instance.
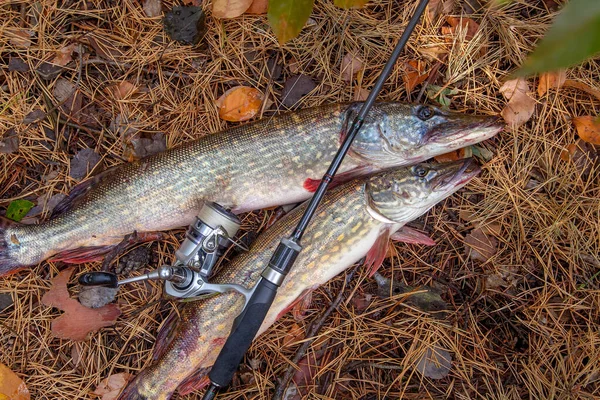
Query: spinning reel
(205, 242)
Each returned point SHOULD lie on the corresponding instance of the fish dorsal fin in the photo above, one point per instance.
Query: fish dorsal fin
(78, 192)
(196, 381)
(410, 235)
(377, 253)
(165, 335)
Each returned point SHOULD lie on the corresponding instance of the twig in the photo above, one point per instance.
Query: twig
(314, 329)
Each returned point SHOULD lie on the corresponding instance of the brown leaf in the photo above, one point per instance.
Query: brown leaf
(295, 333)
(9, 142)
(110, 387)
(479, 246)
(361, 94)
(520, 106)
(584, 155)
(588, 129)
(437, 7)
(240, 103)
(77, 321)
(295, 88)
(152, 8)
(64, 55)
(551, 80)
(414, 74)
(11, 386)
(230, 8)
(19, 37)
(104, 48)
(66, 94)
(123, 90)
(459, 154)
(582, 86)
(435, 363)
(351, 65)
(463, 24)
(258, 7)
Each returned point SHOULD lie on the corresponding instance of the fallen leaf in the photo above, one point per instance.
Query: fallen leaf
(480, 246)
(495, 281)
(424, 298)
(584, 87)
(11, 386)
(491, 229)
(287, 17)
(9, 143)
(520, 106)
(66, 93)
(573, 37)
(588, 129)
(295, 88)
(152, 8)
(348, 4)
(83, 163)
(351, 65)
(123, 90)
(17, 209)
(362, 301)
(295, 333)
(104, 48)
(109, 388)
(441, 95)
(437, 7)
(45, 203)
(435, 363)
(64, 55)
(459, 154)
(229, 8)
(361, 94)
(551, 80)
(414, 74)
(185, 24)
(239, 103)
(19, 37)
(34, 116)
(464, 24)
(77, 321)
(146, 146)
(258, 7)
(584, 155)
(482, 153)
(16, 64)
(5, 301)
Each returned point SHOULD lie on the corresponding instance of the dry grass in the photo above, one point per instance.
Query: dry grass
(537, 335)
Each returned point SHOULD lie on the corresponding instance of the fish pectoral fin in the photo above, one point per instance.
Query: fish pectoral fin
(196, 381)
(298, 306)
(312, 184)
(82, 254)
(377, 253)
(413, 236)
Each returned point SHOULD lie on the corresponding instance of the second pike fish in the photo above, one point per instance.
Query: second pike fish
(353, 220)
(267, 163)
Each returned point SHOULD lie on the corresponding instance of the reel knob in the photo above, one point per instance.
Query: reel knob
(99, 278)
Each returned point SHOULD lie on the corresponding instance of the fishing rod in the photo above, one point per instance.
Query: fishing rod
(212, 232)
(247, 324)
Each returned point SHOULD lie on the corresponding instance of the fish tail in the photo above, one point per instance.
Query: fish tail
(8, 264)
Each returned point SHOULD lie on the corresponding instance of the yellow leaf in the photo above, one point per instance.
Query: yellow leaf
(240, 103)
(414, 74)
(11, 386)
(588, 129)
(230, 8)
(551, 80)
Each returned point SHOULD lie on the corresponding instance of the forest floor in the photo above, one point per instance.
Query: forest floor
(523, 314)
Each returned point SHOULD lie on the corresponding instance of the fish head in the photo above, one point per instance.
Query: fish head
(403, 194)
(395, 134)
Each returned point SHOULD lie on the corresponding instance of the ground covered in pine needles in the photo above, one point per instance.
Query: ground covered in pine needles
(522, 318)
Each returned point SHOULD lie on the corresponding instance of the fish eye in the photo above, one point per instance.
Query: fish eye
(420, 171)
(425, 113)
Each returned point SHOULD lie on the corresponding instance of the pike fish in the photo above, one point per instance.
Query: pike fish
(353, 220)
(266, 163)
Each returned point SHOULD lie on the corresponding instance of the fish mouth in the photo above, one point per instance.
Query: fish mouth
(455, 174)
(467, 132)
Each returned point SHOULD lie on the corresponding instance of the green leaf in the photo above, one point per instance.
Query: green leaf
(18, 209)
(350, 3)
(287, 17)
(573, 37)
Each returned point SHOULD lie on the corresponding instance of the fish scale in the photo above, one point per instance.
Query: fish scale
(266, 163)
(342, 232)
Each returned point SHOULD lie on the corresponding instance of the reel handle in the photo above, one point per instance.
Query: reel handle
(99, 278)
